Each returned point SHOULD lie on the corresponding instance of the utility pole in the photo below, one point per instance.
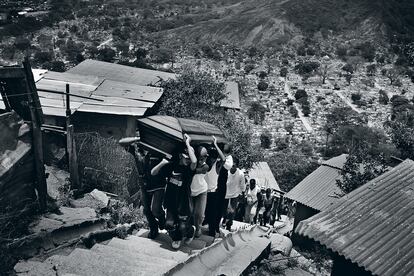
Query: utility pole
(71, 145)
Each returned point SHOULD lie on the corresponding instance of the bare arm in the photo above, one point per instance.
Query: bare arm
(220, 153)
(191, 152)
(160, 165)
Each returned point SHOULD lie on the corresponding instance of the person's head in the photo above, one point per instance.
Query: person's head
(227, 149)
(252, 183)
(268, 192)
(235, 165)
(183, 159)
(201, 154)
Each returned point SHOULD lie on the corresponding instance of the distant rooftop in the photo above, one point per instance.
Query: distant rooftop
(263, 175)
(373, 226)
(319, 190)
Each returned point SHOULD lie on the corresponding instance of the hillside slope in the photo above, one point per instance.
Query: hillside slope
(275, 22)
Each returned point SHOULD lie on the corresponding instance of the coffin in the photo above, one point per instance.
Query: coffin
(164, 134)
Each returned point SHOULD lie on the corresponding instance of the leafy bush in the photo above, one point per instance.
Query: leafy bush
(300, 93)
(266, 139)
(262, 86)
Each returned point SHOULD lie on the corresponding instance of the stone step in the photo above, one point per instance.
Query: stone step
(34, 268)
(165, 240)
(89, 263)
(148, 247)
(145, 262)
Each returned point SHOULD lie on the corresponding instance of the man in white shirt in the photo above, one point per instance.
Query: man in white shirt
(251, 195)
(234, 187)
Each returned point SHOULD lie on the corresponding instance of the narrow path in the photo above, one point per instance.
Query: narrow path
(300, 113)
(105, 42)
(347, 101)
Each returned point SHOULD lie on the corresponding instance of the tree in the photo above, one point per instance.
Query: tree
(383, 97)
(283, 72)
(106, 54)
(141, 53)
(56, 66)
(356, 97)
(290, 166)
(293, 111)
(42, 57)
(289, 127)
(307, 67)
(256, 112)
(198, 95)
(162, 55)
(22, 43)
(371, 70)
(262, 86)
(348, 137)
(248, 67)
(266, 139)
(324, 71)
(348, 68)
(262, 74)
(359, 168)
(300, 93)
(393, 74)
(348, 78)
(401, 131)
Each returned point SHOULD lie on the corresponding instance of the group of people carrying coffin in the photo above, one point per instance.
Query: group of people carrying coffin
(197, 187)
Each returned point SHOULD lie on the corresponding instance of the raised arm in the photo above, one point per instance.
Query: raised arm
(191, 152)
(156, 169)
(220, 153)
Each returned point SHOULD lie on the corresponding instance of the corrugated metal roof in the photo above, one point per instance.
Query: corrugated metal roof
(121, 73)
(139, 76)
(263, 175)
(233, 97)
(116, 97)
(112, 88)
(319, 190)
(372, 226)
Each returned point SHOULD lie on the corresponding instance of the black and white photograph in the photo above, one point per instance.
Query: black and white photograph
(206, 137)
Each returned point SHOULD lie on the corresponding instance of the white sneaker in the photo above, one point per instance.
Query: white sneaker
(176, 244)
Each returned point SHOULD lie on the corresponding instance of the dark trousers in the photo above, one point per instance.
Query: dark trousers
(230, 206)
(179, 210)
(211, 213)
(153, 210)
(221, 207)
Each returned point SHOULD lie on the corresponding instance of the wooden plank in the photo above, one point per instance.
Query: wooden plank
(72, 156)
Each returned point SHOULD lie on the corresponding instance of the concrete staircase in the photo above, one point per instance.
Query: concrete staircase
(138, 255)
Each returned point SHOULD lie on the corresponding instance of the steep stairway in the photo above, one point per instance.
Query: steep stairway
(138, 255)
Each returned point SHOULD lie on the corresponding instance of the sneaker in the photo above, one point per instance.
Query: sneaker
(188, 240)
(176, 244)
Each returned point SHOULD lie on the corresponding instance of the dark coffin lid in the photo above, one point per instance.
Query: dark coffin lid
(200, 132)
